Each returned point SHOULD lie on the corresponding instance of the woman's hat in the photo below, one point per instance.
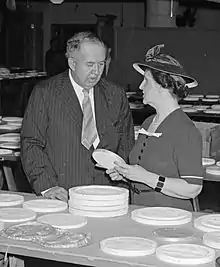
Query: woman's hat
(164, 63)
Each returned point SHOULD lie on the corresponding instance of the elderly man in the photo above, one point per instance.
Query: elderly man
(56, 151)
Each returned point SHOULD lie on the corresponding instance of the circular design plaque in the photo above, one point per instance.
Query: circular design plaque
(14, 215)
(208, 223)
(185, 254)
(174, 234)
(10, 200)
(63, 220)
(128, 246)
(161, 216)
(45, 205)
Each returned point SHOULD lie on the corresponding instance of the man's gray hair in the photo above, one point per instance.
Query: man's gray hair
(74, 42)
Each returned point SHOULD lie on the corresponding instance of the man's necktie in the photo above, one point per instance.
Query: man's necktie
(89, 132)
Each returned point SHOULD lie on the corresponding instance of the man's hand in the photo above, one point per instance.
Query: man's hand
(57, 193)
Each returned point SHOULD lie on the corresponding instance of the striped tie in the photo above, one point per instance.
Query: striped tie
(89, 132)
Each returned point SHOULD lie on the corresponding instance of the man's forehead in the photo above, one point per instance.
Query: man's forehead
(93, 53)
(89, 45)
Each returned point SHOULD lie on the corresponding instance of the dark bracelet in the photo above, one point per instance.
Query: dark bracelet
(160, 184)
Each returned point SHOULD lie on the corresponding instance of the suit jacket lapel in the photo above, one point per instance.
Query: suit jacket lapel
(70, 99)
(101, 100)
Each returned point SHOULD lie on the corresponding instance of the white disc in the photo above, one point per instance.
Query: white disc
(187, 254)
(208, 161)
(14, 119)
(10, 200)
(136, 105)
(15, 123)
(162, 222)
(128, 246)
(17, 153)
(186, 106)
(16, 215)
(172, 234)
(212, 111)
(9, 127)
(161, 213)
(10, 137)
(99, 214)
(190, 110)
(212, 96)
(98, 208)
(106, 158)
(98, 192)
(209, 100)
(63, 221)
(215, 107)
(162, 216)
(218, 163)
(98, 203)
(5, 152)
(215, 170)
(208, 223)
(212, 239)
(131, 93)
(196, 95)
(189, 98)
(10, 145)
(201, 107)
(45, 205)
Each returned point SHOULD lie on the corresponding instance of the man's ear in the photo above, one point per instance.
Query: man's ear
(72, 63)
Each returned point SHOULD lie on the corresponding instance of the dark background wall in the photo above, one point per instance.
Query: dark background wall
(197, 50)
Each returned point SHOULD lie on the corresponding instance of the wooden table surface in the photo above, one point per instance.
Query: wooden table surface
(100, 229)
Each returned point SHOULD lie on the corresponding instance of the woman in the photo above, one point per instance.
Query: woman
(166, 160)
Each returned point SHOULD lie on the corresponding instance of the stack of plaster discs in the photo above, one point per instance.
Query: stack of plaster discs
(98, 201)
(208, 223)
(161, 216)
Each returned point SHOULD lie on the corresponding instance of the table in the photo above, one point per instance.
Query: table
(207, 177)
(6, 160)
(92, 255)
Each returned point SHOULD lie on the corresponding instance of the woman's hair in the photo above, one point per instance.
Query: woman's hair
(174, 83)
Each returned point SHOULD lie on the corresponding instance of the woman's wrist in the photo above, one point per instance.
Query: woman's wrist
(160, 184)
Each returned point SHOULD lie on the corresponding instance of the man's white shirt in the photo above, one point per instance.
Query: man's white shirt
(79, 92)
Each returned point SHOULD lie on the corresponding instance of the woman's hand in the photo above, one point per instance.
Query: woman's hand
(132, 172)
(114, 175)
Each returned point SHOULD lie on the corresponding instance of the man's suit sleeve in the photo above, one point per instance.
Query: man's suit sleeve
(35, 161)
(125, 127)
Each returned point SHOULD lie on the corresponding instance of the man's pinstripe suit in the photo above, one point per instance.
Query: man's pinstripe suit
(51, 149)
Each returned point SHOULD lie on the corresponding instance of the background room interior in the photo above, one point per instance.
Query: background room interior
(189, 30)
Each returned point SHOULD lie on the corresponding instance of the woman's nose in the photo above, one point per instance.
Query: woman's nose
(141, 87)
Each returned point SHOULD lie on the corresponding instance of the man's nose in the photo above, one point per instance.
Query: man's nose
(95, 69)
